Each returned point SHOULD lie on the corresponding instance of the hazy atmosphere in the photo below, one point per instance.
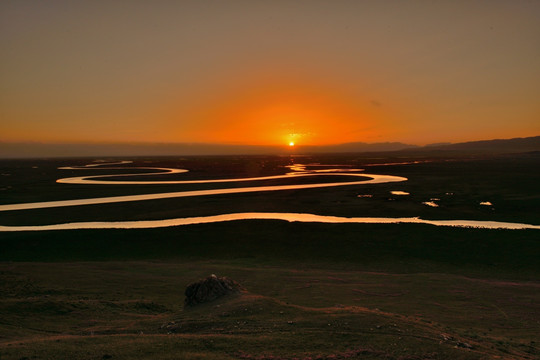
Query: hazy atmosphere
(269, 180)
(268, 72)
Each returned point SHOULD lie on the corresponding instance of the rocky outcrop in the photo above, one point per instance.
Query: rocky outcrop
(210, 289)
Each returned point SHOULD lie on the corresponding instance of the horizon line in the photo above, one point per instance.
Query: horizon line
(33, 150)
(285, 145)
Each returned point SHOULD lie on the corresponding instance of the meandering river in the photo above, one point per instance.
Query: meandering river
(292, 217)
(298, 170)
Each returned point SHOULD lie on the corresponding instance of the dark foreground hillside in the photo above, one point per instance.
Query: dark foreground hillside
(312, 291)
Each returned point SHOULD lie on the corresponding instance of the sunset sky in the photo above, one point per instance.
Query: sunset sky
(269, 72)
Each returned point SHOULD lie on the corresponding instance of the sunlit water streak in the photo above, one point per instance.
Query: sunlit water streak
(302, 172)
(375, 179)
(399, 192)
(291, 217)
(90, 179)
(299, 170)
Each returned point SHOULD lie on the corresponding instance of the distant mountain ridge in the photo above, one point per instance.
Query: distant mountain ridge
(40, 150)
(493, 146)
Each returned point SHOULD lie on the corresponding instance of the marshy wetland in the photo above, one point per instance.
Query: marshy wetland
(314, 289)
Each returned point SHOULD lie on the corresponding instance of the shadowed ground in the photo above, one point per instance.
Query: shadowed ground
(135, 310)
(313, 291)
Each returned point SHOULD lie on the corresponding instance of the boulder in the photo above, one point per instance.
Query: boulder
(210, 289)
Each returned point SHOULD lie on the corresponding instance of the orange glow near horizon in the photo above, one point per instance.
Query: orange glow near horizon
(268, 73)
(283, 113)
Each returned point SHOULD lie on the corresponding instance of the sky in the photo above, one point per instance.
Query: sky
(268, 72)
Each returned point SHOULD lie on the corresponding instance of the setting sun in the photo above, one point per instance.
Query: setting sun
(304, 82)
(291, 143)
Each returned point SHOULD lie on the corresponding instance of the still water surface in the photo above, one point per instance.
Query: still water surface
(291, 217)
(297, 170)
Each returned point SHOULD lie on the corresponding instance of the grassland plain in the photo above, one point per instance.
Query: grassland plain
(327, 291)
